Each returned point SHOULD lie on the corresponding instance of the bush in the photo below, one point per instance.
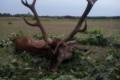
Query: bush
(5, 43)
(94, 38)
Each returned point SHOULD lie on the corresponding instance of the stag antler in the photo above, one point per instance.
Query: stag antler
(84, 28)
(37, 23)
(81, 20)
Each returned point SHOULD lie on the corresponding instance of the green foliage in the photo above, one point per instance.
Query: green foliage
(94, 38)
(10, 39)
(53, 36)
(23, 66)
(38, 36)
(112, 64)
(5, 43)
(66, 77)
(115, 39)
(94, 31)
(80, 67)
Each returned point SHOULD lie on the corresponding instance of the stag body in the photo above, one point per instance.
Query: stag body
(31, 45)
(59, 48)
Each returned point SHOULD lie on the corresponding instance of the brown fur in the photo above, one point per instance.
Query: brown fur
(30, 45)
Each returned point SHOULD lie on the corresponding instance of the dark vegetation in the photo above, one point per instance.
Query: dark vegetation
(95, 38)
(83, 66)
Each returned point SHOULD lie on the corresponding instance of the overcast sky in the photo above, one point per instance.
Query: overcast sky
(63, 7)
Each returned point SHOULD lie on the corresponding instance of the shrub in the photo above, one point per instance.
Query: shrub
(94, 38)
(5, 43)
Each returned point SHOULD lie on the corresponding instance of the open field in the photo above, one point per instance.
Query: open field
(102, 63)
(56, 26)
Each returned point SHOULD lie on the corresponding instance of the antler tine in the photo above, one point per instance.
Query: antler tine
(27, 22)
(25, 3)
(81, 20)
(84, 28)
(33, 3)
(37, 23)
(92, 2)
(32, 8)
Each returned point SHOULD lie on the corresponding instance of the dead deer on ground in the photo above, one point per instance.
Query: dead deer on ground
(60, 49)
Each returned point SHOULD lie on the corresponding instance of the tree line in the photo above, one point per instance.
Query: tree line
(58, 17)
(14, 15)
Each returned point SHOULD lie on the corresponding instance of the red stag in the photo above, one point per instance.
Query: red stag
(60, 49)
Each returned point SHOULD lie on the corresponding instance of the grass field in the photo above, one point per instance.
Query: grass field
(101, 64)
(56, 26)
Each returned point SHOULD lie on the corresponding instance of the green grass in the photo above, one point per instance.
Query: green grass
(26, 67)
(55, 26)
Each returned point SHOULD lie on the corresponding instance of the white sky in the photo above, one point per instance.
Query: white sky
(63, 7)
